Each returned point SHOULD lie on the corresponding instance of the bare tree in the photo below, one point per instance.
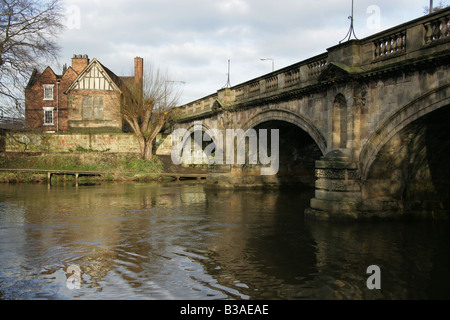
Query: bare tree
(27, 37)
(438, 7)
(147, 106)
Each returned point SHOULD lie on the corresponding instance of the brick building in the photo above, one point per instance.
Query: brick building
(86, 97)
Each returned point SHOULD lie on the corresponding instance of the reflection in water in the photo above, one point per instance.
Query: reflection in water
(181, 241)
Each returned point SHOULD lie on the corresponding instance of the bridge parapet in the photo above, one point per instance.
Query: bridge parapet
(419, 37)
(437, 29)
(390, 44)
(200, 106)
(299, 74)
(409, 38)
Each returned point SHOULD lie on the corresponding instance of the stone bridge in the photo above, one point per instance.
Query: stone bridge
(365, 123)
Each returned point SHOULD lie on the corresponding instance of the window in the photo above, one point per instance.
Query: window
(48, 91)
(92, 108)
(48, 116)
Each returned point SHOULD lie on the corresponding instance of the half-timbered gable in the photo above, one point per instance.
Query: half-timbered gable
(95, 77)
(94, 100)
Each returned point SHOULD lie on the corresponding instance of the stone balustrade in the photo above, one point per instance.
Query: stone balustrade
(274, 81)
(271, 83)
(197, 107)
(390, 44)
(437, 29)
(396, 42)
(292, 77)
(316, 67)
(254, 88)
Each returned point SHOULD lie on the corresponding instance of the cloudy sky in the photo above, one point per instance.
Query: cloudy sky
(194, 39)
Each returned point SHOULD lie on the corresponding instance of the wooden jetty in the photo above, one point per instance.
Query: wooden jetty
(78, 173)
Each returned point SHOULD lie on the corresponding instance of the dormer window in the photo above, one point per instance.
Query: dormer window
(48, 91)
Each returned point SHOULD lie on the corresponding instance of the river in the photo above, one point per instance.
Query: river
(182, 241)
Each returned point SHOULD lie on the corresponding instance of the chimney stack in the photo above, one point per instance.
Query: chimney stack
(138, 70)
(79, 62)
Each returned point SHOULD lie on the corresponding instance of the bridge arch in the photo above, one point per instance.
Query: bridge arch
(299, 146)
(420, 107)
(195, 125)
(205, 140)
(290, 117)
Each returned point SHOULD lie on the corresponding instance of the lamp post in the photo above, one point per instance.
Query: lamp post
(273, 63)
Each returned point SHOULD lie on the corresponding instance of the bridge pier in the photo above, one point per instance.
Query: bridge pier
(338, 189)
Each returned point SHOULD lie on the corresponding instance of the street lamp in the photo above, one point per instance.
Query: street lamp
(273, 63)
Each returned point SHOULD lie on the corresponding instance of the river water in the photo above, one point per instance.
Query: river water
(182, 241)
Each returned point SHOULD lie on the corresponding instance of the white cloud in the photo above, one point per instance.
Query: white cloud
(234, 6)
(194, 39)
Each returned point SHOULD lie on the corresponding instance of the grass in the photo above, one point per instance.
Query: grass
(117, 166)
(14, 177)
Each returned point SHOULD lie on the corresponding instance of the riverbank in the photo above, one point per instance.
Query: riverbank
(114, 166)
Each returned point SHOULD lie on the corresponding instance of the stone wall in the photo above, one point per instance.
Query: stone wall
(113, 142)
(94, 109)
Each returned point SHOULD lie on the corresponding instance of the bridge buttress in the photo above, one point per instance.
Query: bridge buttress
(338, 189)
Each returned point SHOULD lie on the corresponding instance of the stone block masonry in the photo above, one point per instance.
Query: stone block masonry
(111, 142)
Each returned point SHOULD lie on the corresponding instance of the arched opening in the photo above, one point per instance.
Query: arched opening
(339, 122)
(191, 150)
(297, 153)
(198, 149)
(410, 173)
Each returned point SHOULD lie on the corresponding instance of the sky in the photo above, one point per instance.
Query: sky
(193, 40)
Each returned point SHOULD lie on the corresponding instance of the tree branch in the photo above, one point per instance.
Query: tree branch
(146, 108)
(27, 37)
